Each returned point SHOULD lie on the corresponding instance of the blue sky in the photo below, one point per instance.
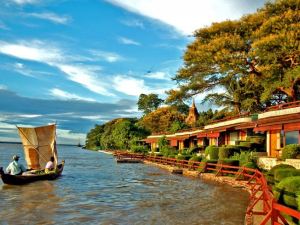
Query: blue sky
(80, 63)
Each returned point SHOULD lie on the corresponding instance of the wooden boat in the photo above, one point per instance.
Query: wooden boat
(39, 144)
(30, 177)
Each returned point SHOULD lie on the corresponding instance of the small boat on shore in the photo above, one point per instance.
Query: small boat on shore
(39, 144)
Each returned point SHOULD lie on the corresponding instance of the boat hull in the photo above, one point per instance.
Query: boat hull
(25, 179)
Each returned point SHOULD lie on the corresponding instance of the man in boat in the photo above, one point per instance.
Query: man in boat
(50, 165)
(15, 168)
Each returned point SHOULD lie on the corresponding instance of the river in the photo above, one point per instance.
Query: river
(94, 189)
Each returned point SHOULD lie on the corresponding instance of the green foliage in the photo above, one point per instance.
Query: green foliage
(287, 190)
(279, 166)
(251, 165)
(115, 134)
(139, 149)
(183, 157)
(161, 119)
(148, 103)
(177, 125)
(162, 142)
(290, 151)
(271, 172)
(243, 157)
(254, 59)
(228, 151)
(229, 162)
(209, 116)
(280, 174)
(212, 152)
(196, 158)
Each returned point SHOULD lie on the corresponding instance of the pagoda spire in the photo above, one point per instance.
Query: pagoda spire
(193, 115)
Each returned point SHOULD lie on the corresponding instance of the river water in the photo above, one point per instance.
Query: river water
(94, 189)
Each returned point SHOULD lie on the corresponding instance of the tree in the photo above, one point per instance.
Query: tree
(260, 50)
(161, 119)
(115, 134)
(149, 103)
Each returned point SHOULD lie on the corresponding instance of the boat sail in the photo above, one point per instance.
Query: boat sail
(39, 145)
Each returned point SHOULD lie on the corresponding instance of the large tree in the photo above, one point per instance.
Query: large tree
(162, 119)
(260, 50)
(115, 134)
(149, 103)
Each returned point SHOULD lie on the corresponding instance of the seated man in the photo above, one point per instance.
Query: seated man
(15, 168)
(50, 165)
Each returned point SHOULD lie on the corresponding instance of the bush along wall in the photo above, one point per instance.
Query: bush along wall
(291, 151)
(270, 173)
(212, 152)
(287, 192)
(227, 151)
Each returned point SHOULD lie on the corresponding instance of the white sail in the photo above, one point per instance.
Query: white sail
(39, 145)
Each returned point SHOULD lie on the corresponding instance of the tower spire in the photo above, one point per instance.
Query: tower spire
(193, 115)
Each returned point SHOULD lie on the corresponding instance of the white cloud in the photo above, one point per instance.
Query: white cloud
(92, 117)
(107, 56)
(3, 87)
(188, 15)
(22, 69)
(34, 51)
(29, 115)
(42, 52)
(158, 75)
(130, 85)
(68, 96)
(51, 17)
(86, 76)
(23, 2)
(133, 23)
(127, 41)
(69, 137)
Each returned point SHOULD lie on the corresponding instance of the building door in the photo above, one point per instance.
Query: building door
(274, 143)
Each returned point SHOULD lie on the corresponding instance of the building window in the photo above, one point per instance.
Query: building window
(291, 137)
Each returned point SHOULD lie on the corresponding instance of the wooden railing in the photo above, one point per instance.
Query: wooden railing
(271, 211)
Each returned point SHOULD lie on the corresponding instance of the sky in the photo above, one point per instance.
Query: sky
(78, 63)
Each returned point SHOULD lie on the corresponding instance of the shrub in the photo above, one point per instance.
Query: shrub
(183, 157)
(227, 151)
(279, 166)
(251, 165)
(286, 191)
(290, 151)
(270, 174)
(280, 174)
(229, 162)
(139, 149)
(243, 157)
(196, 158)
(194, 150)
(168, 150)
(212, 151)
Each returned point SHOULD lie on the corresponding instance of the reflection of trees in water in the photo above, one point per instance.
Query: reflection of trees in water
(29, 203)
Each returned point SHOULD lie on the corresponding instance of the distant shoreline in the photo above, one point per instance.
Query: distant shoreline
(15, 142)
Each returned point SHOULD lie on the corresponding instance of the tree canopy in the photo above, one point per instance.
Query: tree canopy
(259, 53)
(115, 134)
(149, 103)
(161, 120)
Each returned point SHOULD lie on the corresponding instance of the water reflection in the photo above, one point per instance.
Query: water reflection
(96, 190)
(29, 203)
